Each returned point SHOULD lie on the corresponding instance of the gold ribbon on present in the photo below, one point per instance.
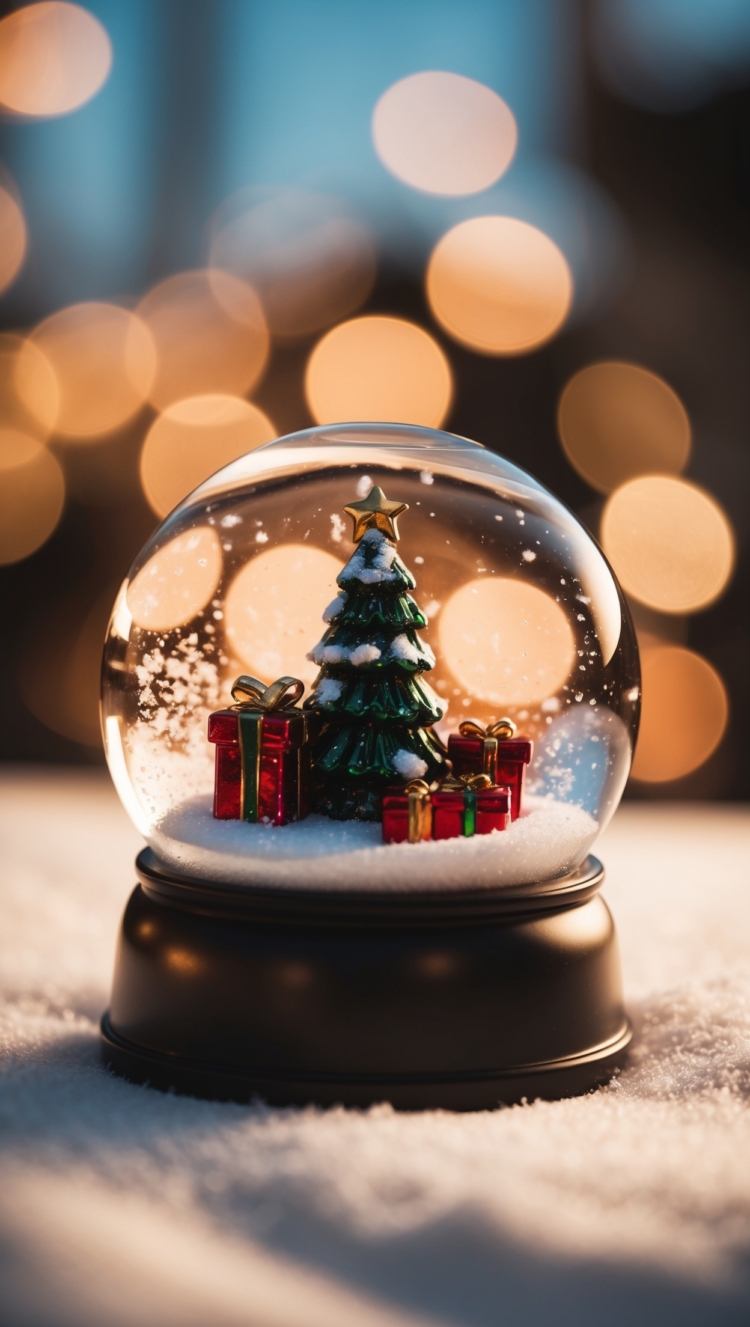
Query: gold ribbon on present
(457, 782)
(469, 785)
(250, 694)
(420, 810)
(254, 700)
(499, 731)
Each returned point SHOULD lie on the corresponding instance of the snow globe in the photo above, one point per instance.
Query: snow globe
(370, 693)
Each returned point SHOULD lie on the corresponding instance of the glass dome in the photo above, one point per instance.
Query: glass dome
(523, 616)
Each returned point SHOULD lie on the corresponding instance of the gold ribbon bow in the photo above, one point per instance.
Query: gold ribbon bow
(420, 810)
(254, 700)
(460, 782)
(489, 737)
(502, 729)
(250, 694)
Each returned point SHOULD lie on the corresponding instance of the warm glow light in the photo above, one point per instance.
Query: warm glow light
(379, 369)
(177, 582)
(683, 717)
(669, 542)
(32, 495)
(53, 58)
(443, 133)
(506, 642)
(210, 335)
(310, 263)
(618, 420)
(274, 607)
(104, 360)
(26, 375)
(12, 236)
(193, 439)
(118, 768)
(499, 285)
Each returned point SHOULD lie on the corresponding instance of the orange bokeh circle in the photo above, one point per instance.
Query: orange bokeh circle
(379, 368)
(684, 714)
(499, 285)
(103, 360)
(53, 58)
(194, 438)
(210, 334)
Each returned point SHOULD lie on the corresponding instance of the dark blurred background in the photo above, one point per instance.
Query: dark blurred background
(143, 139)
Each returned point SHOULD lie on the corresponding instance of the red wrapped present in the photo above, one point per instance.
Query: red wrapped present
(407, 813)
(494, 751)
(262, 753)
(467, 805)
(458, 808)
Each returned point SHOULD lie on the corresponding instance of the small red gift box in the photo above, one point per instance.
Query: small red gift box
(459, 808)
(493, 751)
(407, 814)
(469, 805)
(262, 753)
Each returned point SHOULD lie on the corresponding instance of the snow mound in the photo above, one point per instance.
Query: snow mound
(335, 607)
(365, 653)
(379, 570)
(327, 690)
(318, 853)
(408, 765)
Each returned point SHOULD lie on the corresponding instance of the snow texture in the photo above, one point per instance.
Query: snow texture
(408, 765)
(327, 690)
(120, 1206)
(337, 528)
(336, 654)
(364, 654)
(321, 853)
(335, 607)
(380, 570)
(402, 648)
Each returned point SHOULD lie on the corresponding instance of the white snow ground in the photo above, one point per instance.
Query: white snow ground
(321, 853)
(120, 1206)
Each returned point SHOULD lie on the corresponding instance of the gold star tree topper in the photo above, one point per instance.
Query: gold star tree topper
(375, 512)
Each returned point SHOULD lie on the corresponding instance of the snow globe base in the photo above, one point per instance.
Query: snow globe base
(453, 999)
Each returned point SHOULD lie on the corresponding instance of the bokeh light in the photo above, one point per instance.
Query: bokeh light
(12, 237)
(684, 714)
(499, 285)
(618, 420)
(506, 642)
(210, 334)
(53, 58)
(194, 438)
(104, 360)
(26, 375)
(670, 543)
(311, 263)
(32, 495)
(273, 610)
(177, 582)
(443, 133)
(378, 369)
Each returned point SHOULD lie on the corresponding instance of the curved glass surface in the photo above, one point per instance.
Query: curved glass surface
(525, 620)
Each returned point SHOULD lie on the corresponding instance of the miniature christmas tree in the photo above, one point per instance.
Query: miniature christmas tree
(378, 709)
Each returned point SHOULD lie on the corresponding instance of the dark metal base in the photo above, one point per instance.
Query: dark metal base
(460, 1000)
(558, 1078)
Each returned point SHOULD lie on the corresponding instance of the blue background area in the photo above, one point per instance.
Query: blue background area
(203, 101)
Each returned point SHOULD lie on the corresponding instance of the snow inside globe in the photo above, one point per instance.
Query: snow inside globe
(370, 657)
